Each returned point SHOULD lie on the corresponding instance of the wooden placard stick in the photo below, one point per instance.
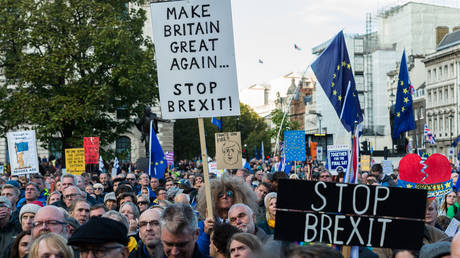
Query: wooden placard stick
(204, 158)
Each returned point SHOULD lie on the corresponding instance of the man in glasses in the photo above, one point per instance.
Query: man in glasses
(9, 227)
(149, 233)
(101, 237)
(325, 176)
(50, 219)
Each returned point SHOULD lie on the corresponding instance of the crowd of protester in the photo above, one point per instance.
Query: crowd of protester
(131, 214)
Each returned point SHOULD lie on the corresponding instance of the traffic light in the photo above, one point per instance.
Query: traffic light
(364, 146)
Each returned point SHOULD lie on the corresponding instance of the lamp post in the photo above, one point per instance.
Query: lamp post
(319, 118)
(392, 96)
(451, 116)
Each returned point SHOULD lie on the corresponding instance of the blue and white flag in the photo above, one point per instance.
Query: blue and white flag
(158, 163)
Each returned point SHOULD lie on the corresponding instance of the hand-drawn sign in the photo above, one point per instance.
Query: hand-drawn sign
(228, 150)
(22, 147)
(75, 160)
(91, 146)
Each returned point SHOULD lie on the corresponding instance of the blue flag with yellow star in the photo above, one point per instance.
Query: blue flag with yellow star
(333, 71)
(158, 163)
(404, 115)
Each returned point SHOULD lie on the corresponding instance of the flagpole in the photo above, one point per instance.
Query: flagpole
(204, 158)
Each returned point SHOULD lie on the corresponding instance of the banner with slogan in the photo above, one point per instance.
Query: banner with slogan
(22, 148)
(294, 146)
(91, 146)
(350, 214)
(196, 65)
(75, 161)
(337, 157)
(228, 150)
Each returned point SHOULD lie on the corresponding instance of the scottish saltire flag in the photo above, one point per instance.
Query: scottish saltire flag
(333, 71)
(297, 47)
(217, 122)
(351, 175)
(101, 164)
(455, 142)
(157, 161)
(404, 115)
(428, 135)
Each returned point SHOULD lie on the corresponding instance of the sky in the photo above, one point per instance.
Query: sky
(268, 29)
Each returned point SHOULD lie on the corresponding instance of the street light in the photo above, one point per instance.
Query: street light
(451, 116)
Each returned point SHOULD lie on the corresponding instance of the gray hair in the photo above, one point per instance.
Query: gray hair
(115, 215)
(179, 217)
(134, 208)
(75, 181)
(237, 205)
(15, 189)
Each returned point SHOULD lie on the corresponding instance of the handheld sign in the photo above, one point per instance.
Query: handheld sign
(91, 146)
(22, 148)
(228, 150)
(195, 58)
(350, 214)
(337, 156)
(294, 145)
(75, 161)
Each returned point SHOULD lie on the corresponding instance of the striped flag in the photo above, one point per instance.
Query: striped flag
(352, 168)
(428, 135)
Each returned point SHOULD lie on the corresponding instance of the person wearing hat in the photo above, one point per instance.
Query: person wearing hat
(435, 250)
(102, 237)
(9, 227)
(110, 201)
(26, 216)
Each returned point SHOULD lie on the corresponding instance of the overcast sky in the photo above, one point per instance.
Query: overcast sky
(268, 30)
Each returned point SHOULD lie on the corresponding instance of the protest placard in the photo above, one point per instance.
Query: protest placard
(75, 160)
(195, 58)
(22, 148)
(91, 146)
(365, 163)
(387, 166)
(350, 214)
(228, 150)
(337, 157)
(294, 145)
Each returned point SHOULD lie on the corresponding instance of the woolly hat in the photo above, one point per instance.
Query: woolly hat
(435, 250)
(28, 208)
(110, 196)
(98, 231)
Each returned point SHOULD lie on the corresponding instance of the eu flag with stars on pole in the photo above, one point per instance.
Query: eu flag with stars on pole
(333, 71)
(158, 163)
(404, 115)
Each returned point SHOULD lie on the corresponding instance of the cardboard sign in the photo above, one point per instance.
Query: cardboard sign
(294, 145)
(350, 214)
(22, 148)
(337, 157)
(228, 150)
(91, 146)
(365, 163)
(195, 58)
(75, 161)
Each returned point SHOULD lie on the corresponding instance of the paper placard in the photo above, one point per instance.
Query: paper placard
(22, 148)
(337, 157)
(195, 58)
(365, 163)
(91, 146)
(75, 160)
(228, 150)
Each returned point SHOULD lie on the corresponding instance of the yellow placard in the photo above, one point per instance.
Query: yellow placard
(365, 163)
(75, 161)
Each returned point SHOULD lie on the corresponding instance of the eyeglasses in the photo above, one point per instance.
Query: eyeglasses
(49, 223)
(325, 176)
(70, 196)
(98, 188)
(97, 252)
(150, 223)
(229, 194)
(130, 179)
(143, 202)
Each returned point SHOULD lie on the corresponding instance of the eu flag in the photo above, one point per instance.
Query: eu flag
(158, 163)
(404, 115)
(333, 71)
(217, 122)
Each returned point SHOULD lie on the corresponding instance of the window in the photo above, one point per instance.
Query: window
(435, 97)
(422, 113)
(428, 76)
(123, 149)
(452, 70)
(446, 73)
(440, 73)
(441, 31)
(452, 93)
(446, 94)
(440, 95)
(435, 77)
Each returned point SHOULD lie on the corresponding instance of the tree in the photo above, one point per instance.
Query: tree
(69, 65)
(277, 117)
(252, 127)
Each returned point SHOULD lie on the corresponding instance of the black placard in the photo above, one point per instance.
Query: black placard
(350, 214)
(401, 202)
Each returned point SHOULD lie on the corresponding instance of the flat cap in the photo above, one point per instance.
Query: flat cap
(100, 230)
